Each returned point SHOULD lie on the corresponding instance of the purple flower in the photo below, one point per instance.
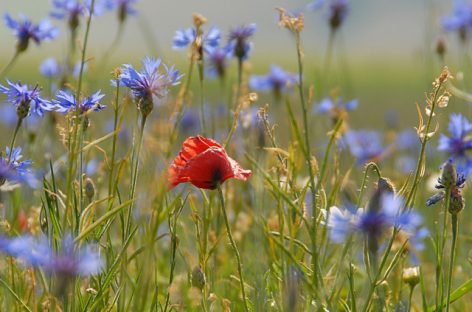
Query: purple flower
(15, 170)
(238, 41)
(374, 224)
(216, 62)
(327, 104)
(336, 13)
(26, 100)
(26, 30)
(149, 83)
(276, 81)
(66, 101)
(69, 261)
(460, 20)
(458, 143)
(50, 68)
(365, 145)
(124, 8)
(72, 10)
(184, 37)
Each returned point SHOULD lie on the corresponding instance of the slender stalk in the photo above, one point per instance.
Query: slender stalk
(9, 65)
(455, 225)
(113, 148)
(233, 245)
(13, 139)
(442, 244)
(236, 107)
(410, 297)
(202, 98)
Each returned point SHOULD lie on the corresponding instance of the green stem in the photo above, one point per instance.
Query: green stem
(236, 104)
(12, 144)
(9, 65)
(113, 149)
(455, 225)
(410, 297)
(235, 248)
(202, 98)
(439, 269)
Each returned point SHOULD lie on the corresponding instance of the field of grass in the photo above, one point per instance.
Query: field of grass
(336, 183)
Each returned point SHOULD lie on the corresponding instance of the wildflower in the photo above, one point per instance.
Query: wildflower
(371, 223)
(125, 8)
(292, 22)
(69, 262)
(337, 11)
(411, 276)
(453, 180)
(276, 81)
(365, 145)
(72, 10)
(66, 102)
(26, 100)
(204, 163)
(216, 62)
(149, 84)
(460, 20)
(184, 37)
(238, 41)
(26, 30)
(50, 68)
(458, 143)
(329, 104)
(15, 170)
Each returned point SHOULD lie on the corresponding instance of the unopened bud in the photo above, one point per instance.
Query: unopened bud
(199, 20)
(198, 277)
(457, 202)
(22, 110)
(411, 276)
(448, 175)
(441, 47)
(89, 189)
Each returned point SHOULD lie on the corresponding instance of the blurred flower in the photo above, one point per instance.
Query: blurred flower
(407, 140)
(184, 37)
(365, 145)
(204, 163)
(458, 143)
(72, 10)
(66, 101)
(276, 81)
(238, 41)
(292, 22)
(26, 100)
(70, 261)
(373, 223)
(149, 83)
(460, 20)
(50, 68)
(328, 104)
(216, 62)
(124, 8)
(452, 179)
(190, 122)
(26, 30)
(14, 170)
(76, 70)
(337, 11)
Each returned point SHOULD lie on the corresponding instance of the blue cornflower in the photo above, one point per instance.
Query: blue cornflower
(365, 145)
(238, 41)
(66, 101)
(72, 10)
(190, 122)
(460, 20)
(26, 100)
(26, 30)
(50, 68)
(328, 104)
(216, 62)
(407, 140)
(125, 8)
(337, 11)
(276, 81)
(184, 37)
(458, 143)
(15, 170)
(373, 224)
(148, 84)
(70, 261)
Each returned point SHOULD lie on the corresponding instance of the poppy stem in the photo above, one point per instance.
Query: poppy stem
(233, 244)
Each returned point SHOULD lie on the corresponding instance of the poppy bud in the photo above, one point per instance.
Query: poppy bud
(198, 277)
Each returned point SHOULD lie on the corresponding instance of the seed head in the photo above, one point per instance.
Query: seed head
(411, 276)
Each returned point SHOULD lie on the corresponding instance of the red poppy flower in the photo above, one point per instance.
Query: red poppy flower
(204, 163)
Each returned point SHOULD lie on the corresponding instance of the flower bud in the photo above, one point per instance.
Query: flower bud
(89, 189)
(146, 105)
(22, 110)
(411, 276)
(457, 202)
(448, 175)
(198, 277)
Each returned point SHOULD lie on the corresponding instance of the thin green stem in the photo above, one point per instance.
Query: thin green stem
(10, 64)
(410, 297)
(235, 248)
(455, 225)
(236, 104)
(13, 139)
(202, 98)
(442, 245)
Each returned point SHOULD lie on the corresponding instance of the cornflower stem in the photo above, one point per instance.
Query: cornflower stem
(421, 157)
(455, 225)
(10, 64)
(113, 148)
(442, 244)
(233, 245)
(328, 56)
(202, 97)
(13, 139)
(237, 106)
(314, 231)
